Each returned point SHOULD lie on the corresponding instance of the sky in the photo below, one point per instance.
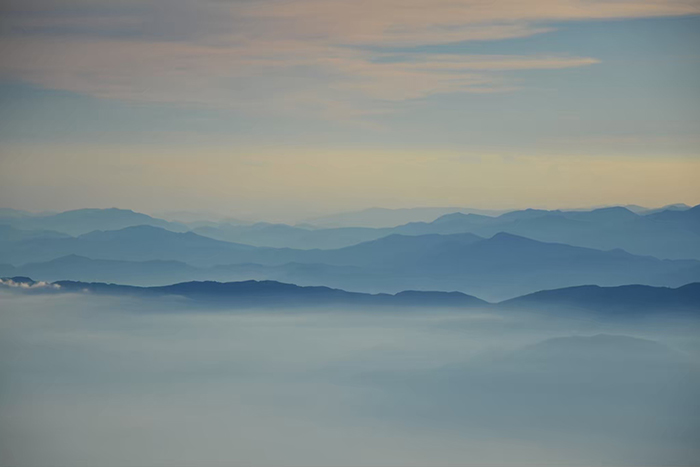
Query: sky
(286, 109)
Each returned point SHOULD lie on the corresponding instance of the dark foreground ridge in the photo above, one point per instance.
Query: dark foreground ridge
(617, 300)
(621, 300)
(252, 293)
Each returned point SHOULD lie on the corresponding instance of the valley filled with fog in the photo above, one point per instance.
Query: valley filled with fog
(90, 380)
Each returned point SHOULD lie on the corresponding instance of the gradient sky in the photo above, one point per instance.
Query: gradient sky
(286, 109)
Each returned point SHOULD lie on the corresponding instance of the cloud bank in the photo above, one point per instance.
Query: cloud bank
(97, 382)
(340, 59)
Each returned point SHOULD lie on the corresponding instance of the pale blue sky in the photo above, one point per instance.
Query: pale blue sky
(252, 82)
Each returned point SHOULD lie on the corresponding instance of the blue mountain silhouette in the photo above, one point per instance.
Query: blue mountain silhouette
(605, 301)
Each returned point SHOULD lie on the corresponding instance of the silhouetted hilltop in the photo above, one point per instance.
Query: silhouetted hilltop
(272, 293)
(622, 299)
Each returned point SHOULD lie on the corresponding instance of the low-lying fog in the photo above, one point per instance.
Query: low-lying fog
(95, 381)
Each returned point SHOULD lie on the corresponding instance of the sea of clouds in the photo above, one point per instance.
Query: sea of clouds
(97, 381)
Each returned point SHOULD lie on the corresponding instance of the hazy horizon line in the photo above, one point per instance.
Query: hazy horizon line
(221, 216)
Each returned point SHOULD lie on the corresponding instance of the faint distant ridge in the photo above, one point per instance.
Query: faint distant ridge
(384, 217)
(82, 221)
(9, 213)
(198, 218)
(668, 207)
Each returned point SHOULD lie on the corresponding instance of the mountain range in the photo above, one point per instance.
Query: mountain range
(499, 267)
(672, 234)
(668, 234)
(611, 301)
(383, 217)
(496, 258)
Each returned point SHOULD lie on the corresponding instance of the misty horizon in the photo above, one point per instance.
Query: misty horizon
(351, 233)
(205, 214)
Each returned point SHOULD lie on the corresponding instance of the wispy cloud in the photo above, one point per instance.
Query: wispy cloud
(328, 57)
(28, 285)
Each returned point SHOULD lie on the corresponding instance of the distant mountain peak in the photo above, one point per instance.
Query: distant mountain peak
(511, 238)
(129, 231)
(461, 217)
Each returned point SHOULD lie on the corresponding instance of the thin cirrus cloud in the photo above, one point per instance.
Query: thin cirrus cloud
(336, 58)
